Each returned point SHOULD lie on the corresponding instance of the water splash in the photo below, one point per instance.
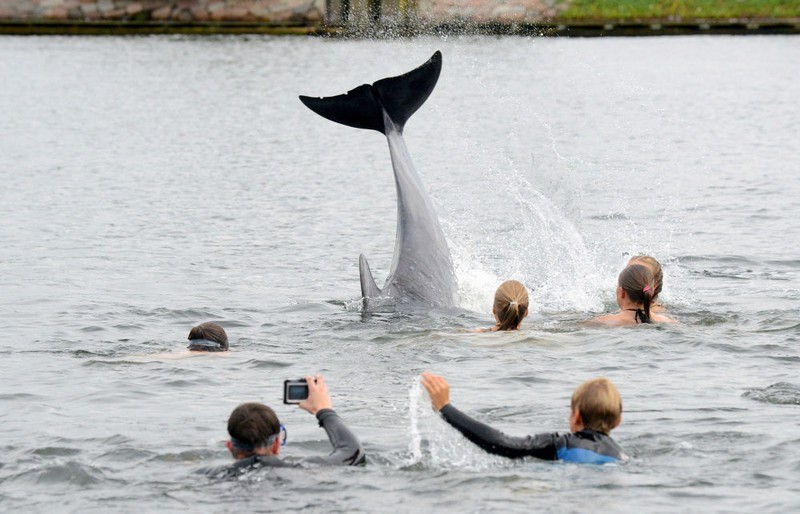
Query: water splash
(435, 443)
(532, 241)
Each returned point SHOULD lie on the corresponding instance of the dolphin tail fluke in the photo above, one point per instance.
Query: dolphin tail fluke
(400, 96)
(403, 95)
(357, 108)
(369, 289)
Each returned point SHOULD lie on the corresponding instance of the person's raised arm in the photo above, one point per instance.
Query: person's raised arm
(489, 439)
(347, 450)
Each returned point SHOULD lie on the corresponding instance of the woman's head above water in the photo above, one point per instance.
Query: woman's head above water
(208, 337)
(510, 305)
(655, 267)
(635, 291)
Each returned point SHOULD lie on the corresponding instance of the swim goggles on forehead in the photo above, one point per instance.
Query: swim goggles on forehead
(205, 344)
(243, 446)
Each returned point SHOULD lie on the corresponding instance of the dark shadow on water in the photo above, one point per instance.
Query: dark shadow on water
(267, 364)
(780, 393)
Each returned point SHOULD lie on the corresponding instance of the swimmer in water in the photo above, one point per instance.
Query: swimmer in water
(658, 278)
(208, 337)
(257, 435)
(635, 288)
(510, 307)
(204, 339)
(595, 410)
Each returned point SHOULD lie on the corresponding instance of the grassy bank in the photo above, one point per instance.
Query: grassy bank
(678, 9)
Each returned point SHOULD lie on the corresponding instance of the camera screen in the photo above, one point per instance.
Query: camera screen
(297, 392)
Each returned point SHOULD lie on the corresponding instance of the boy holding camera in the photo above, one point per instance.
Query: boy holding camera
(596, 409)
(256, 435)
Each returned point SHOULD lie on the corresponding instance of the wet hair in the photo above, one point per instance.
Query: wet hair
(510, 304)
(637, 281)
(250, 426)
(655, 267)
(208, 332)
(599, 403)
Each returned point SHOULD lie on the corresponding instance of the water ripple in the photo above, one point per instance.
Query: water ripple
(69, 473)
(267, 364)
(780, 393)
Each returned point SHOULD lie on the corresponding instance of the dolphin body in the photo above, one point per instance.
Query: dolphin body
(422, 270)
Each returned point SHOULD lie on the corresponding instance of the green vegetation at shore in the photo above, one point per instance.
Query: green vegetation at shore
(678, 9)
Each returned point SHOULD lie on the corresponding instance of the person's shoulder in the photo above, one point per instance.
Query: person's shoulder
(481, 330)
(244, 466)
(607, 320)
(599, 321)
(589, 446)
(662, 318)
(613, 447)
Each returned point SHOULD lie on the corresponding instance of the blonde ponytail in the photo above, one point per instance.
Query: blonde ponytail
(510, 304)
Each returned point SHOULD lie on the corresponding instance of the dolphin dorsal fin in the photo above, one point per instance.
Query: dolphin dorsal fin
(369, 289)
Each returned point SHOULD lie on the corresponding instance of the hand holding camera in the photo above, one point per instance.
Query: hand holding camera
(310, 393)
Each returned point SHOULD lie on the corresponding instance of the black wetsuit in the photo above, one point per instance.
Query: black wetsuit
(347, 451)
(586, 446)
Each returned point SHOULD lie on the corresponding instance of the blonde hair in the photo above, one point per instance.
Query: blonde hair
(599, 404)
(510, 304)
(655, 267)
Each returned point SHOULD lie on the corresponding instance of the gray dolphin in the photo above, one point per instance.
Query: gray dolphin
(422, 270)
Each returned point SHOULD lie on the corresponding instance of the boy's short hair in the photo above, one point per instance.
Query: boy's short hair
(252, 424)
(599, 403)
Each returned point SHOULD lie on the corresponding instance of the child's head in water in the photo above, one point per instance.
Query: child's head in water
(510, 305)
(655, 267)
(208, 337)
(596, 405)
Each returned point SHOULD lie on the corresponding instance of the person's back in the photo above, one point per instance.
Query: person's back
(596, 409)
(256, 436)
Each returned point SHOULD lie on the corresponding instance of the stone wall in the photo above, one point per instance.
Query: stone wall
(366, 18)
(482, 11)
(436, 12)
(275, 11)
(309, 12)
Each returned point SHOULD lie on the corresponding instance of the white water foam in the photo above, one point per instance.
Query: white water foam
(534, 242)
(436, 444)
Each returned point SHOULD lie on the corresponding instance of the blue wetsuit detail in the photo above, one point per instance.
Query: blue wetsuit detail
(584, 446)
(583, 456)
